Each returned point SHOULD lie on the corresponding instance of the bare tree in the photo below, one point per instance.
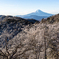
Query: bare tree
(9, 55)
(53, 46)
(38, 47)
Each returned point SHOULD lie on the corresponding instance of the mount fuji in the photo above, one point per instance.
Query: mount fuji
(38, 15)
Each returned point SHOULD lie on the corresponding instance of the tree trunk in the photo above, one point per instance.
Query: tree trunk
(45, 42)
(45, 56)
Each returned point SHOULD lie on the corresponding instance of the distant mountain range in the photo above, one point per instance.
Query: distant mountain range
(0, 15)
(38, 15)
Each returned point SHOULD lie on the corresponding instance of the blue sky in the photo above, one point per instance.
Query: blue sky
(21, 7)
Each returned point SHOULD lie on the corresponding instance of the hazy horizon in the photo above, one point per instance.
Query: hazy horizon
(22, 7)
